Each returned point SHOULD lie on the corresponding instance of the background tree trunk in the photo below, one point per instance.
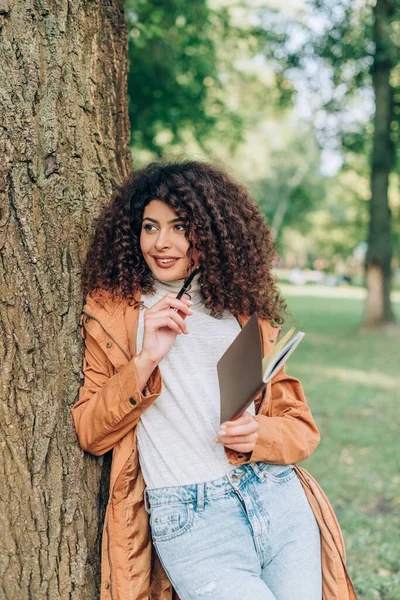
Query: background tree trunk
(379, 255)
(64, 143)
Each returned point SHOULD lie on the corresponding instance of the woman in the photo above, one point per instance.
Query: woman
(226, 510)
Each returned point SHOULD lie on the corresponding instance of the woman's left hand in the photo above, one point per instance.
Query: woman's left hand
(240, 435)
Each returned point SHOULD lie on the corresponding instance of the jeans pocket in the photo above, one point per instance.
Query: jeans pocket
(279, 473)
(168, 521)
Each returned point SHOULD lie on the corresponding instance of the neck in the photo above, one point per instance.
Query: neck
(193, 292)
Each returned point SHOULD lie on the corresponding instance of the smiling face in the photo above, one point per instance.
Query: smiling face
(163, 242)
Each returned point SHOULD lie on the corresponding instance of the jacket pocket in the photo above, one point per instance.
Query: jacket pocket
(168, 521)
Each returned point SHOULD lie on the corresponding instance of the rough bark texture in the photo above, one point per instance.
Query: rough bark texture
(379, 255)
(64, 135)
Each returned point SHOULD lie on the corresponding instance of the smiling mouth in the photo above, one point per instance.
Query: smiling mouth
(165, 261)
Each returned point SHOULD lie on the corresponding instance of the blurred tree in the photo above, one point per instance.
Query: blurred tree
(339, 225)
(174, 83)
(362, 47)
(184, 62)
(379, 254)
(360, 44)
(294, 186)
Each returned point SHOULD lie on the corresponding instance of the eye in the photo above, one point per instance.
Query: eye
(182, 226)
(147, 227)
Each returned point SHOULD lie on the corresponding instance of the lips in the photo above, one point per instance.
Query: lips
(165, 257)
(165, 262)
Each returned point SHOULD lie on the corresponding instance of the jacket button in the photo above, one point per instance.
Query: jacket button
(109, 344)
(132, 401)
(107, 586)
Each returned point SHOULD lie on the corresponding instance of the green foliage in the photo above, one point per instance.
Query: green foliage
(347, 46)
(179, 71)
(293, 186)
(331, 45)
(184, 64)
(343, 42)
(342, 221)
(172, 64)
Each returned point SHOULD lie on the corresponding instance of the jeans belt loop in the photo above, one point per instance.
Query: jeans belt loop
(200, 496)
(259, 472)
(146, 501)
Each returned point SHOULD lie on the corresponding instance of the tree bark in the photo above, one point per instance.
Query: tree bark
(379, 255)
(64, 135)
(284, 201)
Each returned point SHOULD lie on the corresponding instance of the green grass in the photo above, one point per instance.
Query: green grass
(352, 382)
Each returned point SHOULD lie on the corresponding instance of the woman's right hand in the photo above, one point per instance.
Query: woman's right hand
(161, 326)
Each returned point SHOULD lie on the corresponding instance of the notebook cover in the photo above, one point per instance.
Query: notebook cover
(240, 371)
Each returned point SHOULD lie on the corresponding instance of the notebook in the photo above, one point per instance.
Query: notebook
(242, 370)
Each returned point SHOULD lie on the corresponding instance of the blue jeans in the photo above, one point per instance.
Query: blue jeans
(250, 535)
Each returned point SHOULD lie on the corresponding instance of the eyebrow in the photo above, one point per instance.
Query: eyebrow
(155, 220)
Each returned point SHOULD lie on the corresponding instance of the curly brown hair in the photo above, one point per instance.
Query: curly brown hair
(236, 250)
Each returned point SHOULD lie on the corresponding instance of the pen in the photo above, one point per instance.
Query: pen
(186, 284)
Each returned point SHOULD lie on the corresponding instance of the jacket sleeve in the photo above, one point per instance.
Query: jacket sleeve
(287, 433)
(109, 405)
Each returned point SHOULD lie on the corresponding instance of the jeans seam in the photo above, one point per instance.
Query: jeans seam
(167, 572)
(192, 500)
(280, 479)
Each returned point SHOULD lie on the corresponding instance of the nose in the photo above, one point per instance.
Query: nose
(162, 241)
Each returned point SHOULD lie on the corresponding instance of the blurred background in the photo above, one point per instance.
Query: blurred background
(301, 101)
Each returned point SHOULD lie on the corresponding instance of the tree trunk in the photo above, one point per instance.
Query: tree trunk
(284, 201)
(64, 143)
(379, 255)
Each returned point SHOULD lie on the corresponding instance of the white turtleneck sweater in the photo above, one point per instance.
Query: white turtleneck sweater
(176, 433)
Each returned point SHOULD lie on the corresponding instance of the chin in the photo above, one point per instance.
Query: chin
(169, 274)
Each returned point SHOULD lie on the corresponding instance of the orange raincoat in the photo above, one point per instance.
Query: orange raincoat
(106, 415)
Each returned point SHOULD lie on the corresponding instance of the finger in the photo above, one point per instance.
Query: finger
(171, 298)
(246, 417)
(171, 301)
(178, 305)
(157, 321)
(172, 325)
(241, 447)
(156, 318)
(179, 320)
(246, 429)
(240, 426)
(224, 439)
(165, 322)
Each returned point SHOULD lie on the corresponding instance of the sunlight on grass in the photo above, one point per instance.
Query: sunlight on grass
(352, 382)
(325, 291)
(364, 378)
